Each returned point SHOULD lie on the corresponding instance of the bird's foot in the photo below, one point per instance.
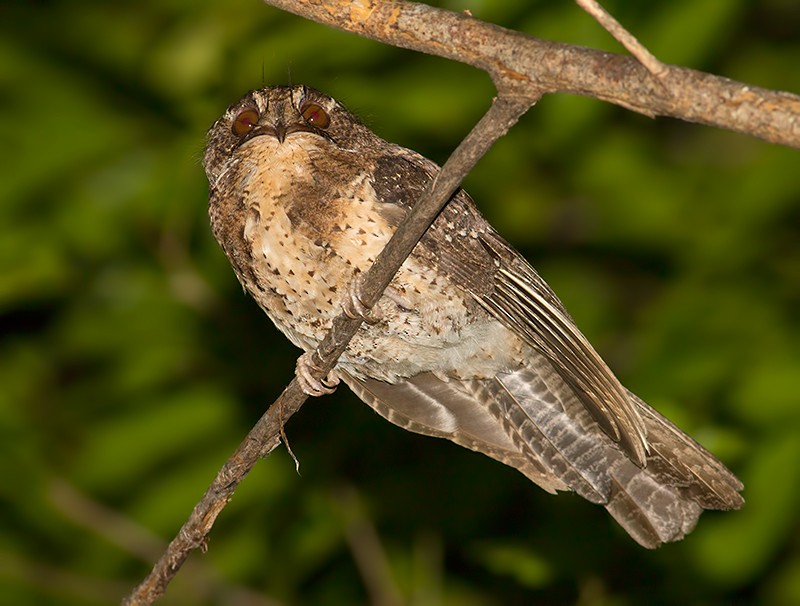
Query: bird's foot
(310, 385)
(353, 305)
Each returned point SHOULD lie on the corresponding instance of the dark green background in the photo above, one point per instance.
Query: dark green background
(131, 363)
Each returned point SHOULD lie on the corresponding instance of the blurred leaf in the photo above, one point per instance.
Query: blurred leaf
(700, 26)
(735, 548)
(517, 561)
(151, 436)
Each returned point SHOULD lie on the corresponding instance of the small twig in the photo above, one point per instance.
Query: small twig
(265, 435)
(624, 37)
(282, 423)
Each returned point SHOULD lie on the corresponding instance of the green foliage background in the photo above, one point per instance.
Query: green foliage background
(131, 363)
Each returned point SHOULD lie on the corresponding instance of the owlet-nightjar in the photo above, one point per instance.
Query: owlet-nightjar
(468, 343)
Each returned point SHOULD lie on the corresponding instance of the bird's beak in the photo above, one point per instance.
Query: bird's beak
(280, 130)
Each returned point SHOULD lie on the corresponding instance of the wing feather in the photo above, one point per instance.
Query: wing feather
(427, 405)
(463, 246)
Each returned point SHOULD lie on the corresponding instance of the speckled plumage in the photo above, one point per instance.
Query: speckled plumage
(469, 343)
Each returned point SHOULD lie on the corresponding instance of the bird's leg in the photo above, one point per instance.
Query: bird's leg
(310, 385)
(398, 298)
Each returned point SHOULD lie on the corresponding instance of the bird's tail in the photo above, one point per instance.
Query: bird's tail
(657, 503)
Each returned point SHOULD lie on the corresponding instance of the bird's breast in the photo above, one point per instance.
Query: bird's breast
(309, 232)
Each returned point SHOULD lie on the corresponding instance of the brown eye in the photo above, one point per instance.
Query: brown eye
(245, 121)
(314, 114)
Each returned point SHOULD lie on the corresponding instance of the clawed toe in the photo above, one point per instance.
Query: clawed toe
(353, 304)
(310, 385)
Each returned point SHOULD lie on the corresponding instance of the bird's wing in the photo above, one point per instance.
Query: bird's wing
(523, 302)
(462, 245)
(428, 405)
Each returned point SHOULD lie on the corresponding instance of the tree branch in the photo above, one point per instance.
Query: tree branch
(520, 62)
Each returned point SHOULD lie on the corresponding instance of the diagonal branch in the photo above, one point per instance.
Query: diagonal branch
(265, 435)
(522, 62)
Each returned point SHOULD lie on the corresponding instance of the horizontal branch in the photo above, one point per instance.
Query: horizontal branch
(518, 61)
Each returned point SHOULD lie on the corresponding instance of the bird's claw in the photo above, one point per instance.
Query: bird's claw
(310, 385)
(353, 305)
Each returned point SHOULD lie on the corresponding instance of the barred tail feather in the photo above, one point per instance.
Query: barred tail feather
(657, 503)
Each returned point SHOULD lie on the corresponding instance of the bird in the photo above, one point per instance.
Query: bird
(467, 343)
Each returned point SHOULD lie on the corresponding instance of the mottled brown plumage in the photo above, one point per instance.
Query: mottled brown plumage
(469, 343)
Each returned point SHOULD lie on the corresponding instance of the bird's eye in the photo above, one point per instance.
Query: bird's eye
(314, 114)
(246, 120)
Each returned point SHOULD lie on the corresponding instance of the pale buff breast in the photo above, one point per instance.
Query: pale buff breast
(308, 243)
